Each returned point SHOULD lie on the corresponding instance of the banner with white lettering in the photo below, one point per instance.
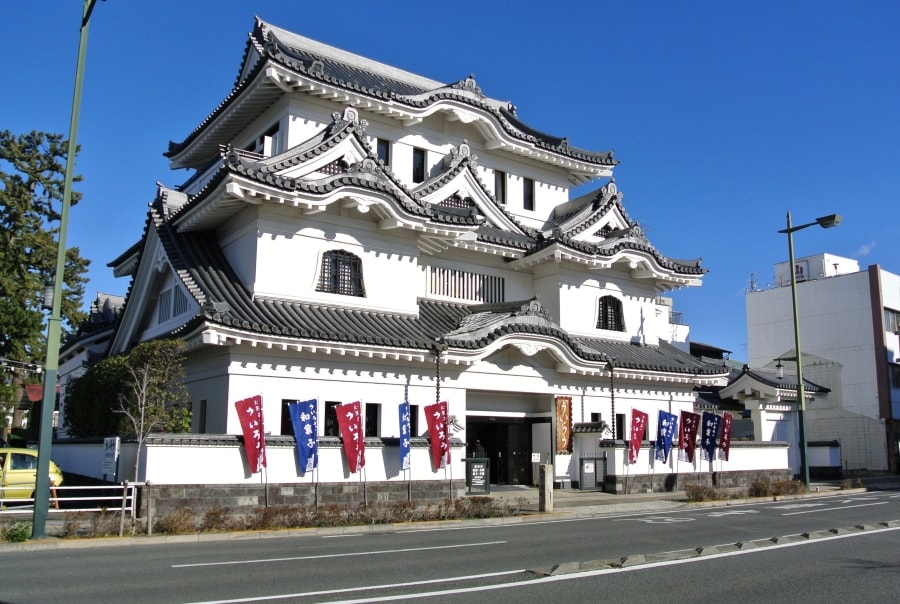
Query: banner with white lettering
(687, 435)
(710, 432)
(350, 423)
(438, 433)
(665, 430)
(638, 428)
(304, 419)
(404, 436)
(251, 417)
(725, 439)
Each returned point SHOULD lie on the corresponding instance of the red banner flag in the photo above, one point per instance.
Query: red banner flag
(638, 427)
(350, 423)
(438, 433)
(687, 435)
(725, 438)
(250, 415)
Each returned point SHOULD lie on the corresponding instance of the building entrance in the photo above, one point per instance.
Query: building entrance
(507, 443)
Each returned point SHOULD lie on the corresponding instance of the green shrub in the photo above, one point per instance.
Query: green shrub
(16, 531)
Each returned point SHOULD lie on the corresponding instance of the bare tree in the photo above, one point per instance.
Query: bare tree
(153, 395)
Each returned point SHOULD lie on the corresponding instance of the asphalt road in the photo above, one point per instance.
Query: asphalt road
(501, 562)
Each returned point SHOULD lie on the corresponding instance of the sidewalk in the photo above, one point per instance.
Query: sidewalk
(567, 503)
(599, 502)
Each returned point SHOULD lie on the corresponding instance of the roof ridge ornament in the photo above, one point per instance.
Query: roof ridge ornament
(350, 115)
(534, 308)
(459, 153)
(366, 166)
(469, 84)
(316, 68)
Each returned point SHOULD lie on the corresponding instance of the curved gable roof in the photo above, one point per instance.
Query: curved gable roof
(326, 65)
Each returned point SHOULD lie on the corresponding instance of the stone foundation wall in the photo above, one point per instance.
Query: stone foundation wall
(664, 483)
(165, 499)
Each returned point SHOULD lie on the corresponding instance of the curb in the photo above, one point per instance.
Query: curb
(569, 513)
(567, 568)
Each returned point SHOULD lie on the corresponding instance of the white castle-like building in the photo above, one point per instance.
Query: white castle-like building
(355, 232)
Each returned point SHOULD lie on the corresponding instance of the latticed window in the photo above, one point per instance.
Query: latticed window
(611, 316)
(335, 167)
(455, 201)
(164, 312)
(341, 274)
(466, 286)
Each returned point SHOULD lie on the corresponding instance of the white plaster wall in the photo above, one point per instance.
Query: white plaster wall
(278, 378)
(580, 298)
(743, 456)
(227, 464)
(517, 286)
(390, 270)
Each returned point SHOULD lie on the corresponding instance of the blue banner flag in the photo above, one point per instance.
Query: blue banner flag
(404, 436)
(709, 432)
(304, 420)
(665, 430)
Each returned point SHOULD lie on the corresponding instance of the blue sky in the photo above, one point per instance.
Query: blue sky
(724, 115)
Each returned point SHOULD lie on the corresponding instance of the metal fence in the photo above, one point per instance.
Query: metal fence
(122, 498)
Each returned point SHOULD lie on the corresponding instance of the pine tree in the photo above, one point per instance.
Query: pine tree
(32, 176)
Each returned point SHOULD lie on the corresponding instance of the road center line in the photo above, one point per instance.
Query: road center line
(846, 507)
(323, 556)
(373, 587)
(552, 579)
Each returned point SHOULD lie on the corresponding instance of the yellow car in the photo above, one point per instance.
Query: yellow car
(18, 473)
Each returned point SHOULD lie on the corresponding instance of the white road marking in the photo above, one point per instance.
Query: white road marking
(794, 506)
(324, 556)
(732, 513)
(349, 589)
(660, 519)
(532, 582)
(846, 507)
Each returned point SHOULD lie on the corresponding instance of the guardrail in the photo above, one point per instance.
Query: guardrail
(120, 497)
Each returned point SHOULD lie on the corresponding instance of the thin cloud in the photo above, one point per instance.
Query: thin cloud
(864, 250)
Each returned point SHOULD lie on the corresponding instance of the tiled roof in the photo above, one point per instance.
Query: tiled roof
(770, 378)
(207, 274)
(362, 76)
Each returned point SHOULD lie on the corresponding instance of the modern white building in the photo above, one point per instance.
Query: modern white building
(850, 344)
(354, 232)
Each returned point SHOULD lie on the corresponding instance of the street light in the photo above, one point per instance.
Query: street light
(42, 483)
(826, 222)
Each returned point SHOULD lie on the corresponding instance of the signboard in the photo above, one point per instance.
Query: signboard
(588, 467)
(110, 456)
(535, 458)
(478, 476)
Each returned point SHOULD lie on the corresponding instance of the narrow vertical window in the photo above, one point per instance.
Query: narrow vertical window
(610, 315)
(500, 187)
(373, 411)
(413, 420)
(201, 418)
(528, 194)
(330, 427)
(418, 167)
(383, 149)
